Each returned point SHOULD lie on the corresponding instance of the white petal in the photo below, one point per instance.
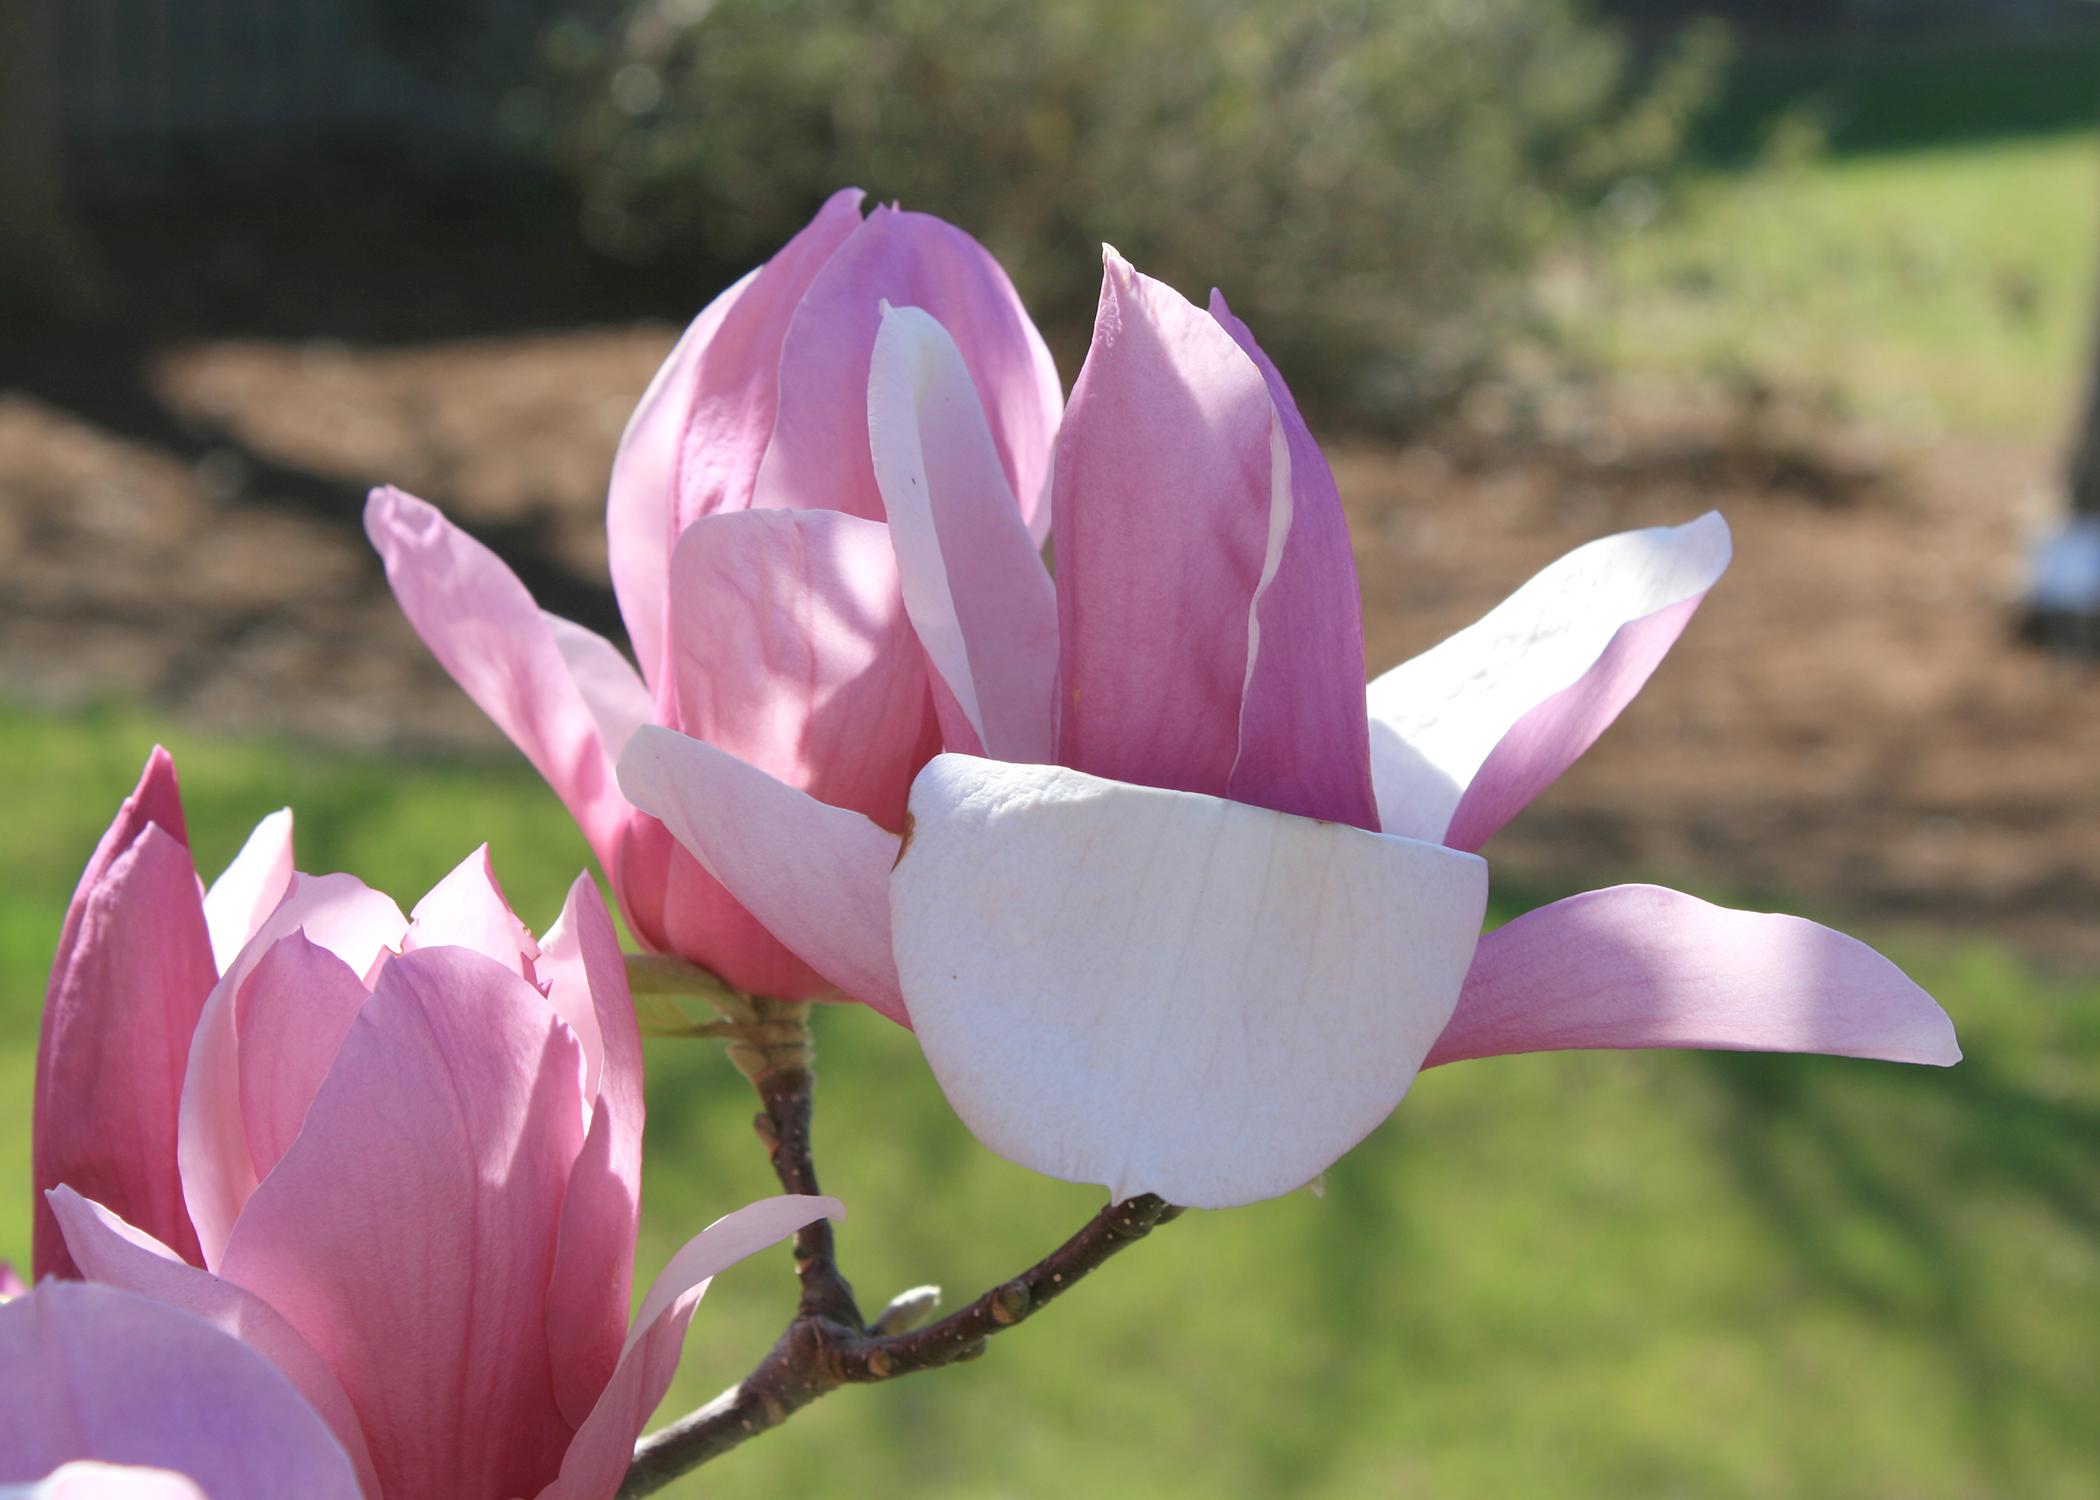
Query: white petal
(1436, 720)
(1165, 992)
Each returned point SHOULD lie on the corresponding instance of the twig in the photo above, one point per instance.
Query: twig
(828, 1343)
(816, 1356)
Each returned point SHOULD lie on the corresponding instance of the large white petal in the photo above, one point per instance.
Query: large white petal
(1165, 992)
(1467, 733)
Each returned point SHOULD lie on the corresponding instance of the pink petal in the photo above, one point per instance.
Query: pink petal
(1164, 992)
(676, 906)
(819, 453)
(616, 697)
(410, 1231)
(10, 1281)
(1163, 499)
(791, 649)
(91, 1372)
(132, 972)
(973, 579)
(467, 909)
(113, 1252)
(594, 1253)
(1640, 966)
(298, 1002)
(253, 884)
(1305, 739)
(816, 875)
(484, 629)
(598, 1457)
(336, 912)
(694, 443)
(1466, 734)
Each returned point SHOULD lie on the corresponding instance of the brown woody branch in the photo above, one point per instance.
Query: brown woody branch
(828, 1343)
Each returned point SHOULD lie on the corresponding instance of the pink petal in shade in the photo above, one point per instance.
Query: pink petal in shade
(587, 1292)
(239, 900)
(117, 1254)
(1164, 992)
(1641, 966)
(482, 626)
(126, 991)
(599, 1454)
(791, 649)
(1163, 506)
(973, 579)
(819, 451)
(92, 1372)
(1466, 734)
(1304, 736)
(450, 1118)
(816, 875)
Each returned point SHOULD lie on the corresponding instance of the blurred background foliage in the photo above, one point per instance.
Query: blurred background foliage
(1368, 179)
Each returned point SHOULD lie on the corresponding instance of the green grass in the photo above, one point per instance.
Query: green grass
(1585, 1275)
(1936, 290)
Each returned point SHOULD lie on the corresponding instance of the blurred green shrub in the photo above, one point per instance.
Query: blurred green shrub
(1367, 180)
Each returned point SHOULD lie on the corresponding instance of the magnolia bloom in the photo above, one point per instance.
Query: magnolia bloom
(1190, 910)
(407, 1160)
(140, 950)
(752, 568)
(107, 1394)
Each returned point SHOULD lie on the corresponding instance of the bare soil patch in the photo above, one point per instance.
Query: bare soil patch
(1849, 722)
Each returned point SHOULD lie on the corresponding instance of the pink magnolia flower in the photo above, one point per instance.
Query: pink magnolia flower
(751, 564)
(104, 1393)
(1191, 910)
(141, 948)
(407, 1152)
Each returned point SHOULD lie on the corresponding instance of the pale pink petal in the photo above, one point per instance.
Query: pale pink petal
(297, 1003)
(819, 453)
(118, 1254)
(1305, 739)
(336, 912)
(615, 695)
(126, 989)
(597, 1459)
(1164, 992)
(1163, 500)
(791, 649)
(87, 1480)
(410, 1231)
(251, 887)
(10, 1281)
(92, 1372)
(1467, 733)
(1641, 966)
(973, 579)
(467, 909)
(594, 1255)
(816, 875)
(482, 626)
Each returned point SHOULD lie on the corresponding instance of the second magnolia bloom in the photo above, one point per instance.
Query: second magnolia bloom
(1198, 938)
(404, 1160)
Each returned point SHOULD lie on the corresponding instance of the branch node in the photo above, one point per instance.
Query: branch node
(1011, 1303)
